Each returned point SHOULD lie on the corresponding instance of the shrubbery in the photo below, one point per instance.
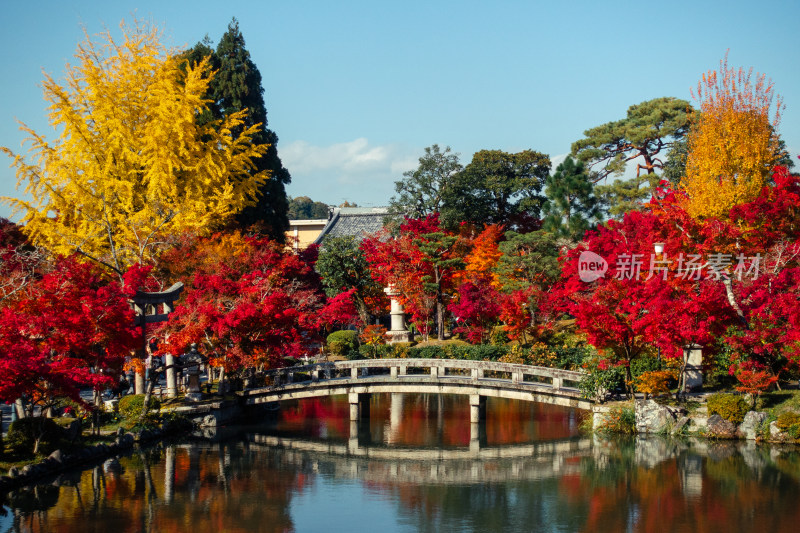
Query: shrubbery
(343, 342)
(23, 433)
(790, 423)
(619, 420)
(131, 406)
(731, 407)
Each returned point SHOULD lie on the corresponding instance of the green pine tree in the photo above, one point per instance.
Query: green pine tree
(571, 207)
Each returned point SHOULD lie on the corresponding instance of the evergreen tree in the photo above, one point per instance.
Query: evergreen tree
(421, 192)
(571, 206)
(304, 208)
(237, 86)
(497, 188)
(648, 131)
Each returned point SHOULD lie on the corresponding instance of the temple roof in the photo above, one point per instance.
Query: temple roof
(353, 221)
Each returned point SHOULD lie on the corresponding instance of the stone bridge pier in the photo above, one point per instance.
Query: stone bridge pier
(359, 405)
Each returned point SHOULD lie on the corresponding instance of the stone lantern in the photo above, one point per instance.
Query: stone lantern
(398, 332)
(191, 365)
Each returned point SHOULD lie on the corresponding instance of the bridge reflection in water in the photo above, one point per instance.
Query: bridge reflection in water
(432, 465)
(478, 380)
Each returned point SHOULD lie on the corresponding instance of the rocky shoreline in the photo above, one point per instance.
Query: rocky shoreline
(652, 417)
(202, 416)
(59, 461)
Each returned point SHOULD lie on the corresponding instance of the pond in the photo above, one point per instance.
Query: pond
(418, 464)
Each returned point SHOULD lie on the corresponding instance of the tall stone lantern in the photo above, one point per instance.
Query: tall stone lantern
(398, 332)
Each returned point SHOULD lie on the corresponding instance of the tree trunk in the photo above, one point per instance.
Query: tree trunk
(732, 301)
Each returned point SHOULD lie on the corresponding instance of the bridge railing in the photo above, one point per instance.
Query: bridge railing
(555, 378)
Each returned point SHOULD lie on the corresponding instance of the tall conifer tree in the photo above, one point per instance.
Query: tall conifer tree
(237, 86)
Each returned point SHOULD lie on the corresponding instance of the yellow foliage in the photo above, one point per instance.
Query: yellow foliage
(654, 383)
(733, 145)
(130, 165)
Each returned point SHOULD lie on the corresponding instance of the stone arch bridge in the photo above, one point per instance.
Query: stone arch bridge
(476, 379)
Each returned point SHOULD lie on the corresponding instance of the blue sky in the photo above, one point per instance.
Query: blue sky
(356, 89)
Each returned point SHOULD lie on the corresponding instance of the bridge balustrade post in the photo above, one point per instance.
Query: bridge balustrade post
(516, 377)
(393, 372)
(435, 372)
(315, 375)
(403, 370)
(477, 373)
(557, 383)
(354, 373)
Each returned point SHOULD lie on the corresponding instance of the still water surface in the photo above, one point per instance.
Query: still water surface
(418, 465)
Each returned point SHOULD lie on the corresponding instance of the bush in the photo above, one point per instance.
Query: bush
(22, 435)
(654, 382)
(601, 380)
(176, 423)
(789, 422)
(479, 352)
(731, 407)
(130, 407)
(343, 342)
(619, 420)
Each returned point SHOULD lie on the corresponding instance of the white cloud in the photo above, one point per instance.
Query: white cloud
(355, 171)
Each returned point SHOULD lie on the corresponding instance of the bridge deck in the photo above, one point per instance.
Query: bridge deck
(537, 384)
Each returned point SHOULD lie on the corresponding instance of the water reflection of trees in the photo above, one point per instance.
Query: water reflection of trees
(190, 488)
(639, 485)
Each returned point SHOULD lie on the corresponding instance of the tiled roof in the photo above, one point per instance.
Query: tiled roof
(353, 221)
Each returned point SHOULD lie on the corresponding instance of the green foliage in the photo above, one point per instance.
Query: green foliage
(619, 420)
(422, 192)
(497, 187)
(572, 357)
(304, 208)
(571, 207)
(675, 166)
(528, 259)
(343, 342)
(23, 433)
(343, 266)
(601, 381)
(428, 352)
(731, 407)
(649, 129)
(645, 363)
(130, 407)
(621, 196)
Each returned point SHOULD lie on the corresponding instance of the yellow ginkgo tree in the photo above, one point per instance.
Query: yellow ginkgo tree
(130, 165)
(733, 141)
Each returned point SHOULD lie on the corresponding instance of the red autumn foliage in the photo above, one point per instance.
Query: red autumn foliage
(73, 330)
(420, 264)
(476, 311)
(254, 308)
